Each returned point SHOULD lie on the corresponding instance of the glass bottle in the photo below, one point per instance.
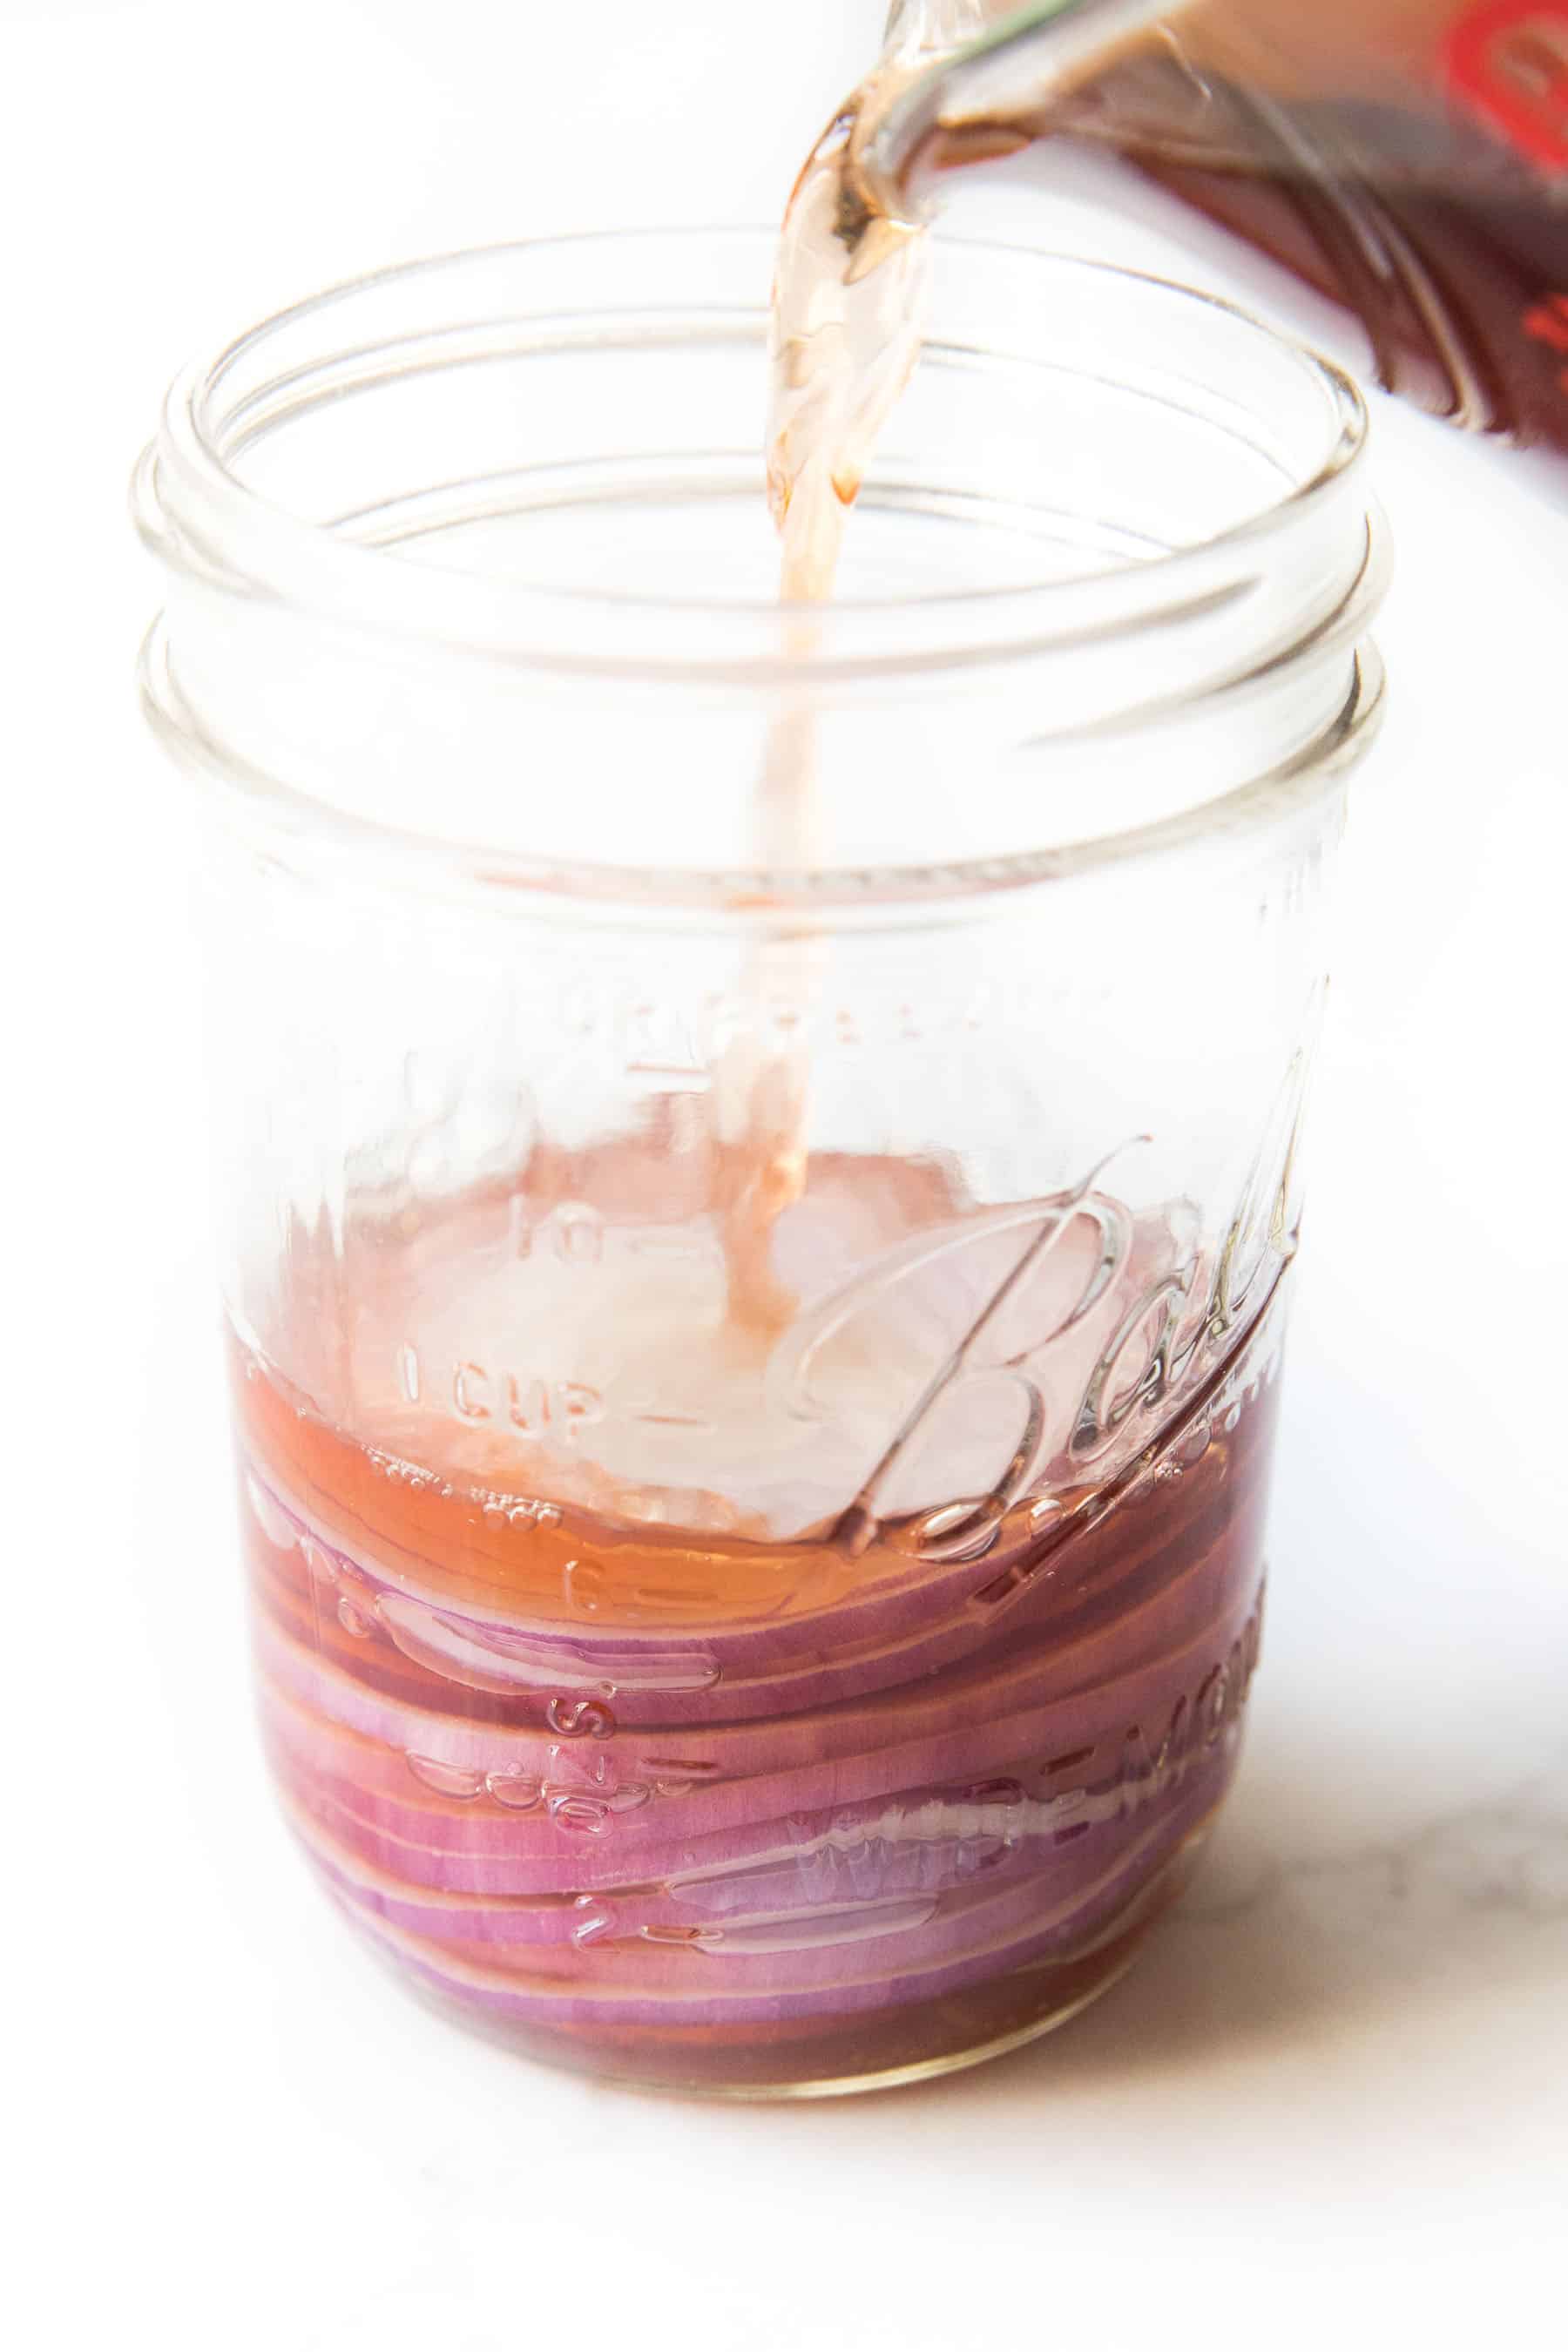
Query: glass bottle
(1409, 159)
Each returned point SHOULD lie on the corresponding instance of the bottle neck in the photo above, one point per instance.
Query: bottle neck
(1409, 159)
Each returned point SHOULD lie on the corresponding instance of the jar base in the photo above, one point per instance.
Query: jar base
(913, 2044)
(861, 2079)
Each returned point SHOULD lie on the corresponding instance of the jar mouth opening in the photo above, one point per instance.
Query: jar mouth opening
(201, 507)
(469, 573)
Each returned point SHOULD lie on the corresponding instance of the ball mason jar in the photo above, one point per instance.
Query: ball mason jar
(755, 1306)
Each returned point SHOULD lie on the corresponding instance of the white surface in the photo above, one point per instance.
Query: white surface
(1331, 2104)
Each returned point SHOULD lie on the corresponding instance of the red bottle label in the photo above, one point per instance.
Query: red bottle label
(1509, 61)
(1548, 324)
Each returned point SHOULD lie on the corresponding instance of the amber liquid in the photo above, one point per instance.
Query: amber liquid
(685, 1785)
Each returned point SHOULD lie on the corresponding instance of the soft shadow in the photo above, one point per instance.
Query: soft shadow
(1285, 1942)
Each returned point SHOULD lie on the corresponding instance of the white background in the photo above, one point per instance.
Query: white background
(1330, 2106)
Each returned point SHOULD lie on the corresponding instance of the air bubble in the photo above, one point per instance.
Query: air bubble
(353, 1620)
(447, 1780)
(274, 1522)
(589, 1816)
(582, 1581)
(318, 1561)
(518, 1790)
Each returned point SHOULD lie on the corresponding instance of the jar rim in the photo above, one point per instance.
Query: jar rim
(230, 551)
(198, 515)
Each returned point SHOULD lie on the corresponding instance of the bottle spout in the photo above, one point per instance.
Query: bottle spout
(1017, 65)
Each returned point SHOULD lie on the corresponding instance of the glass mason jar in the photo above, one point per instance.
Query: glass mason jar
(758, 1149)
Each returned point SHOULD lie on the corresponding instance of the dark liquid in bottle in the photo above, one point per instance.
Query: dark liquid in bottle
(1449, 247)
(1408, 162)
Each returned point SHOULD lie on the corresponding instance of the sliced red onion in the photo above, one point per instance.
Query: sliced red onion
(471, 1791)
(894, 1631)
(1003, 1678)
(825, 1882)
(582, 1827)
(962, 1771)
(614, 1985)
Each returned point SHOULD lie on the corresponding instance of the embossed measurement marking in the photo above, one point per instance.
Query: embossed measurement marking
(530, 1404)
